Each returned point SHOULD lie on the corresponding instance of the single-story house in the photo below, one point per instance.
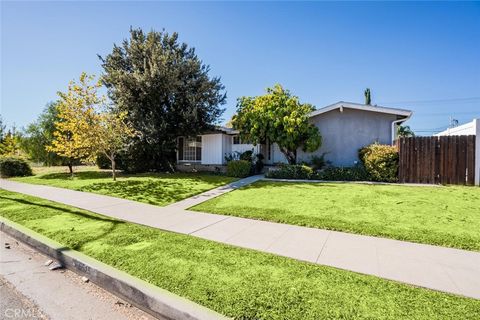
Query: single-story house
(345, 128)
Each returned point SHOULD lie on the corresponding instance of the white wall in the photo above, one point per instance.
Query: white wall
(277, 155)
(244, 147)
(471, 128)
(212, 148)
(463, 130)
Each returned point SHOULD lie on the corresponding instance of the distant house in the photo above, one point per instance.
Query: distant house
(345, 127)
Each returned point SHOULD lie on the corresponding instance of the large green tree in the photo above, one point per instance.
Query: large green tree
(39, 134)
(166, 90)
(277, 117)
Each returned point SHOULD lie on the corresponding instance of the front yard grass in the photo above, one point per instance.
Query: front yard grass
(153, 188)
(445, 216)
(236, 282)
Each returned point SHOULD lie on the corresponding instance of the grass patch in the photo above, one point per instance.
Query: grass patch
(445, 216)
(240, 283)
(153, 188)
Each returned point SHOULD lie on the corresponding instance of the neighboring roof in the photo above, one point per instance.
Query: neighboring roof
(364, 107)
(220, 129)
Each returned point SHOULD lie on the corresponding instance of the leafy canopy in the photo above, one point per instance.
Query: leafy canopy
(85, 127)
(74, 135)
(39, 134)
(166, 90)
(405, 131)
(277, 117)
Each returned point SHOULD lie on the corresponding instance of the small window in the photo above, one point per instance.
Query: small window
(236, 140)
(190, 149)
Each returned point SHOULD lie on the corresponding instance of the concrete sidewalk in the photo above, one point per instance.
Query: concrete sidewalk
(445, 269)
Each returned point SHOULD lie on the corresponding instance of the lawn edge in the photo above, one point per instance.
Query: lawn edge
(145, 296)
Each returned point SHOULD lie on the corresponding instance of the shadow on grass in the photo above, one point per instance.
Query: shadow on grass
(150, 191)
(82, 175)
(78, 243)
(60, 208)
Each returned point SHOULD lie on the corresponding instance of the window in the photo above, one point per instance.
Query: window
(190, 149)
(237, 140)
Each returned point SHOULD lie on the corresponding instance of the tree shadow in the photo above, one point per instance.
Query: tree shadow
(150, 191)
(78, 244)
(82, 175)
(59, 208)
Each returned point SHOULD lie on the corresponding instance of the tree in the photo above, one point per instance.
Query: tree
(277, 117)
(74, 135)
(405, 131)
(11, 144)
(167, 92)
(2, 129)
(40, 134)
(112, 134)
(368, 99)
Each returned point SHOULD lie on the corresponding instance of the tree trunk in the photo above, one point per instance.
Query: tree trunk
(70, 168)
(290, 155)
(114, 173)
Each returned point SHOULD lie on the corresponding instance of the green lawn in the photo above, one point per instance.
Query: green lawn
(445, 216)
(154, 188)
(240, 283)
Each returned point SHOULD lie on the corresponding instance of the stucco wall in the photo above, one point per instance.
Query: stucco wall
(212, 149)
(343, 133)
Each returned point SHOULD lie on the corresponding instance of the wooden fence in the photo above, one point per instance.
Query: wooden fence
(439, 160)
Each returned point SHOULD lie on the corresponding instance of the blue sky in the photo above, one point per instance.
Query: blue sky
(420, 56)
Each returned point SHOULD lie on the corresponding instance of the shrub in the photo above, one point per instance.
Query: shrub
(247, 155)
(318, 162)
(380, 161)
(357, 173)
(291, 171)
(239, 168)
(14, 167)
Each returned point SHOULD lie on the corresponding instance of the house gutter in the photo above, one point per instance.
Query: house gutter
(398, 122)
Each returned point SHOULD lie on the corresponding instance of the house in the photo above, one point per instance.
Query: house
(345, 128)
(467, 129)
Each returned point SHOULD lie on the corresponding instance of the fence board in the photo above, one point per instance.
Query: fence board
(445, 160)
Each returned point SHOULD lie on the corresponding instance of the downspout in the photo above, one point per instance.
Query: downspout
(397, 122)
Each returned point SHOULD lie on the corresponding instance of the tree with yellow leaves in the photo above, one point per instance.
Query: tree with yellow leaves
(73, 137)
(85, 127)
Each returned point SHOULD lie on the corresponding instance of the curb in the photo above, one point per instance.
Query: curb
(145, 296)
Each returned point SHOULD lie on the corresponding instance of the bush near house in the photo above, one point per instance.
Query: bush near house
(380, 161)
(239, 168)
(291, 171)
(358, 173)
(14, 167)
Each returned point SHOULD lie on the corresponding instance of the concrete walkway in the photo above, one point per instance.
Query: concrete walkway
(202, 197)
(445, 269)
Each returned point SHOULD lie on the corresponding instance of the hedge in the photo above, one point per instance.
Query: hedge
(14, 167)
(239, 168)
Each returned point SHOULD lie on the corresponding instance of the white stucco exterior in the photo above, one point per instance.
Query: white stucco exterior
(212, 148)
(471, 128)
